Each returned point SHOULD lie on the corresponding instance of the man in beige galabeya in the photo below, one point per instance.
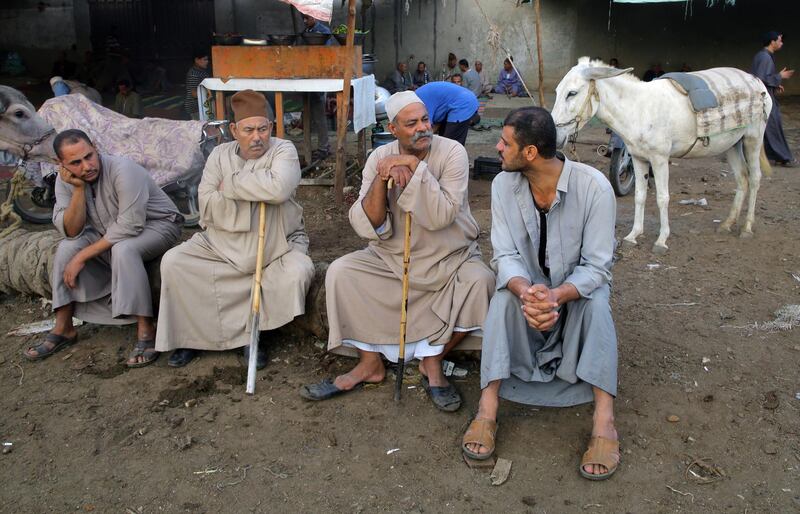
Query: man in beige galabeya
(206, 281)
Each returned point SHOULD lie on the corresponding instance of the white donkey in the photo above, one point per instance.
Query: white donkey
(656, 121)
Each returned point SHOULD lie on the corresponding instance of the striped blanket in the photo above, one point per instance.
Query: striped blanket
(740, 98)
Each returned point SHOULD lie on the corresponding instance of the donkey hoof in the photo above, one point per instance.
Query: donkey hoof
(746, 234)
(627, 243)
(660, 249)
(724, 228)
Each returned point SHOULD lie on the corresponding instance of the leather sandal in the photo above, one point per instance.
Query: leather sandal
(482, 432)
(42, 351)
(603, 452)
(444, 398)
(143, 348)
(324, 390)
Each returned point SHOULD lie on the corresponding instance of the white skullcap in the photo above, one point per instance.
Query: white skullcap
(398, 101)
(55, 80)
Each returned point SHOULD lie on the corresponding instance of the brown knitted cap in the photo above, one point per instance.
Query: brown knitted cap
(249, 103)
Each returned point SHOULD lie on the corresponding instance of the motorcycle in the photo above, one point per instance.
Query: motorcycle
(34, 197)
(620, 171)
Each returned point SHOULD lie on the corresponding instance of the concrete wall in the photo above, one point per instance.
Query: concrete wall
(641, 35)
(434, 28)
(40, 34)
(638, 35)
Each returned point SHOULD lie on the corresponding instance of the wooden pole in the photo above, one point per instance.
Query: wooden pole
(219, 99)
(401, 356)
(279, 128)
(307, 126)
(343, 105)
(538, 8)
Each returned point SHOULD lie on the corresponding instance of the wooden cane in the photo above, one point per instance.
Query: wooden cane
(401, 354)
(255, 300)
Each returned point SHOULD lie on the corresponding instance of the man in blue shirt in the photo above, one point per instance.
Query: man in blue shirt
(452, 109)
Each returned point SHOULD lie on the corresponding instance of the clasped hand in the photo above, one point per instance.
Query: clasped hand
(539, 304)
(396, 167)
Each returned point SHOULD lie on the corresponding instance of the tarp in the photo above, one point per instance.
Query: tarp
(318, 9)
(709, 3)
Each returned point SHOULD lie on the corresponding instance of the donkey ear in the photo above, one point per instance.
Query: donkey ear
(603, 72)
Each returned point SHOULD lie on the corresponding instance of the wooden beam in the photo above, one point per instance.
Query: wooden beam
(307, 122)
(538, 8)
(219, 97)
(279, 128)
(284, 62)
(343, 104)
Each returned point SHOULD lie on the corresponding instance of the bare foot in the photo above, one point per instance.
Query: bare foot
(371, 371)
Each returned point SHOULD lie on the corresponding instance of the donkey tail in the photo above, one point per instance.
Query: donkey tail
(766, 168)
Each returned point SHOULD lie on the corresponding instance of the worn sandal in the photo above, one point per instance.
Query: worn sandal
(482, 432)
(603, 452)
(445, 398)
(324, 390)
(42, 352)
(143, 348)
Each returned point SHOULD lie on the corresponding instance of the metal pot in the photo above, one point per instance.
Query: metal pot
(381, 96)
(315, 38)
(381, 138)
(368, 62)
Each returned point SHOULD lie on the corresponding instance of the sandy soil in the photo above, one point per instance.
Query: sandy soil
(89, 435)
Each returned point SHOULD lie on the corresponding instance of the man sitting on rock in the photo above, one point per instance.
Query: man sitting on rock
(449, 285)
(206, 282)
(114, 218)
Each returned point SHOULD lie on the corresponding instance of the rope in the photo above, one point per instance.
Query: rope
(7, 207)
(494, 40)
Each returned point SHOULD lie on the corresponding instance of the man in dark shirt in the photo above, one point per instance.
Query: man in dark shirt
(421, 76)
(775, 145)
(194, 77)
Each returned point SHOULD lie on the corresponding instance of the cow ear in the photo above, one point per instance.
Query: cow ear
(603, 72)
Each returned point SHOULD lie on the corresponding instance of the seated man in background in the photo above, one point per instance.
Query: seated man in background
(400, 79)
(114, 218)
(128, 102)
(486, 87)
(449, 285)
(206, 281)
(508, 82)
(470, 78)
(421, 76)
(549, 337)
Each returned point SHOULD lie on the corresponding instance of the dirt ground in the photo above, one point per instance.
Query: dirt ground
(90, 435)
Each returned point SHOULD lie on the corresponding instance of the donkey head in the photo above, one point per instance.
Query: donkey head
(22, 131)
(576, 96)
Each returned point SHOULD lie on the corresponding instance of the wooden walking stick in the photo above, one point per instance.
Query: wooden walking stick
(255, 300)
(401, 355)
